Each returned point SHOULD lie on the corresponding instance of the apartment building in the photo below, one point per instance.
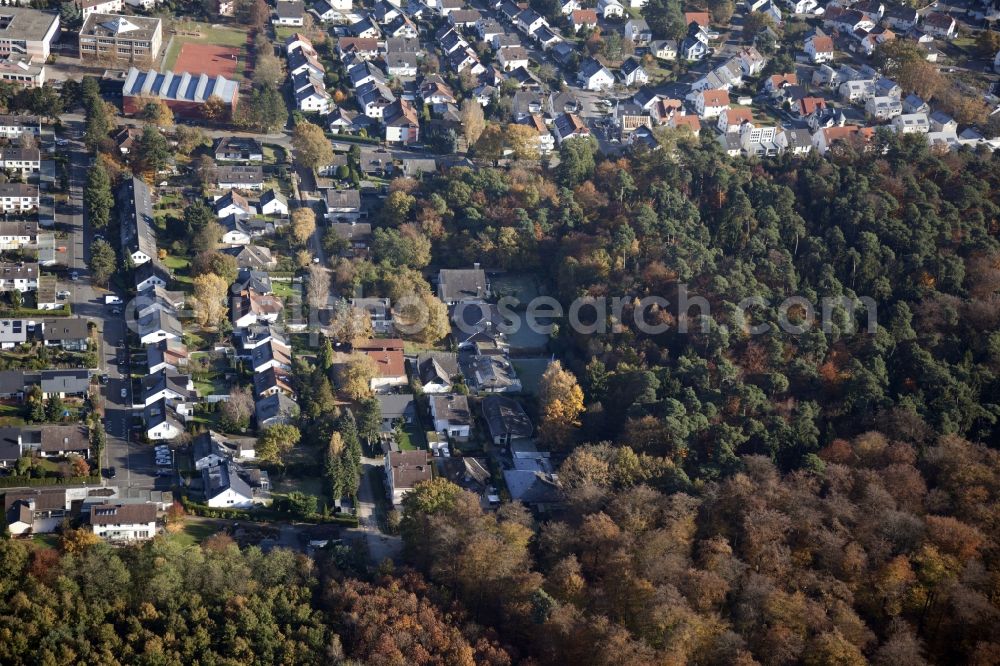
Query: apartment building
(18, 198)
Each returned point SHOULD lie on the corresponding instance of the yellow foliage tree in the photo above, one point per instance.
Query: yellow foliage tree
(561, 403)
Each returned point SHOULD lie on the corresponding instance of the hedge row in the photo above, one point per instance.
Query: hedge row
(262, 515)
(30, 481)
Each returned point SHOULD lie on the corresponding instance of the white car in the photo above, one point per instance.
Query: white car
(124, 393)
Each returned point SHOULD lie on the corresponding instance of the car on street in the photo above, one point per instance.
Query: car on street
(124, 393)
(74, 276)
(111, 472)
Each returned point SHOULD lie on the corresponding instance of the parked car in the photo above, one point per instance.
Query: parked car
(111, 472)
(124, 393)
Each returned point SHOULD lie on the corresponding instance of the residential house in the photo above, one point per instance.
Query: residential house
(710, 103)
(633, 73)
(342, 204)
(88, 7)
(809, 106)
(13, 126)
(272, 382)
(255, 257)
(18, 197)
(489, 373)
(378, 311)
(273, 203)
(942, 122)
(664, 49)
(120, 522)
(583, 19)
(825, 137)
(232, 203)
(435, 371)
(56, 441)
(695, 44)
(239, 177)
(819, 48)
(16, 234)
(731, 120)
(390, 367)
(239, 149)
(13, 333)
(225, 488)
(151, 274)
(165, 385)
(546, 142)
(401, 65)
(289, 13)
(569, 126)
(64, 383)
(883, 107)
(170, 355)
(528, 21)
(396, 409)
(901, 17)
(506, 419)
(451, 415)
(255, 308)
(913, 103)
(402, 126)
(69, 333)
(595, 76)
(18, 277)
(274, 410)
(135, 216)
(157, 326)
(858, 91)
(331, 11)
(939, 25)
(912, 123)
(303, 59)
(610, 9)
(235, 231)
(312, 97)
(638, 31)
(374, 97)
(403, 471)
(751, 61)
(273, 354)
(161, 421)
(462, 284)
(512, 58)
(37, 510)
(358, 49)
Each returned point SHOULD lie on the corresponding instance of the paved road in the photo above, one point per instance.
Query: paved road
(133, 463)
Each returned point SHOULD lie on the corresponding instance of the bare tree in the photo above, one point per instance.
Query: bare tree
(318, 286)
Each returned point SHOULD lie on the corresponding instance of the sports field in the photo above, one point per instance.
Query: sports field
(200, 48)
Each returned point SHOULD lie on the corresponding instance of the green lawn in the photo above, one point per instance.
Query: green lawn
(283, 32)
(411, 439)
(194, 533)
(10, 416)
(46, 540)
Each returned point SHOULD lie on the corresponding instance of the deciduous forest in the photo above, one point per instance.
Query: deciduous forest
(829, 497)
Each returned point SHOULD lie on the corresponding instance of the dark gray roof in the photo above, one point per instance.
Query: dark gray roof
(135, 214)
(65, 381)
(11, 381)
(10, 446)
(65, 328)
(278, 406)
(437, 365)
(219, 478)
(395, 405)
(506, 417)
(462, 284)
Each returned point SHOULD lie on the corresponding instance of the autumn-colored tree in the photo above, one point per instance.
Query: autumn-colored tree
(318, 285)
(303, 225)
(276, 441)
(473, 120)
(209, 300)
(523, 140)
(157, 112)
(312, 148)
(214, 109)
(357, 375)
(174, 519)
(560, 402)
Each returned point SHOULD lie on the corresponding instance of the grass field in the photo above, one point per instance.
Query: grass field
(529, 371)
(192, 32)
(195, 532)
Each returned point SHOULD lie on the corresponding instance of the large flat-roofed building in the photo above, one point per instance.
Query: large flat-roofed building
(27, 33)
(111, 37)
(24, 73)
(184, 93)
